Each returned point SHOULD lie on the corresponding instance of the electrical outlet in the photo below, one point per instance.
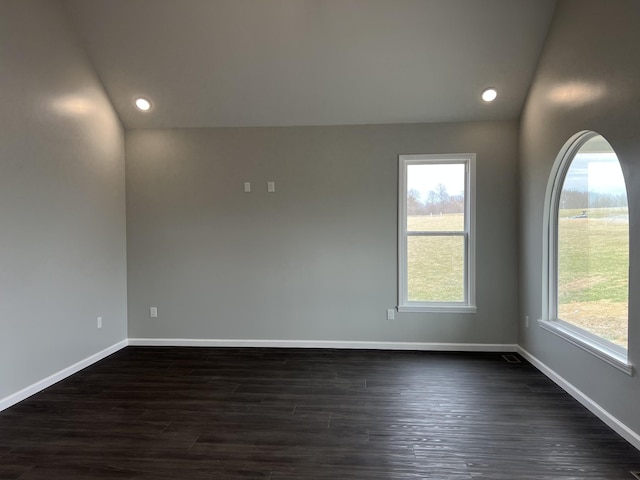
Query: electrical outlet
(99, 322)
(153, 312)
(391, 314)
(526, 321)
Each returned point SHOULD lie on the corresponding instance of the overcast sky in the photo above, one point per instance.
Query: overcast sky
(596, 172)
(425, 178)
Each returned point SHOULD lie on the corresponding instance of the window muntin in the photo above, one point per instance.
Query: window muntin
(587, 249)
(436, 242)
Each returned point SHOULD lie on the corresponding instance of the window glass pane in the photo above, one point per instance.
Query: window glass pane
(593, 244)
(435, 268)
(435, 197)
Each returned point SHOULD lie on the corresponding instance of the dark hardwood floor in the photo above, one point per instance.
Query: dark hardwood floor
(275, 414)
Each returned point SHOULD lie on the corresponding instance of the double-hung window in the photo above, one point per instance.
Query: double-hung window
(436, 260)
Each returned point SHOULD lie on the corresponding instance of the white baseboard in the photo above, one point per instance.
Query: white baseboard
(616, 425)
(32, 389)
(362, 345)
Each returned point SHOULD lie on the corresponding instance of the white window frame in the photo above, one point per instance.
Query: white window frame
(469, 303)
(611, 353)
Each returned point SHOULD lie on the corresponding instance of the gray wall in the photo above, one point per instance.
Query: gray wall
(587, 79)
(62, 217)
(317, 259)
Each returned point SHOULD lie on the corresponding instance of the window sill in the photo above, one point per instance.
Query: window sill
(599, 350)
(437, 309)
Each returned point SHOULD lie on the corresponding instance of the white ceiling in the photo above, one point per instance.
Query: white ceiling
(207, 63)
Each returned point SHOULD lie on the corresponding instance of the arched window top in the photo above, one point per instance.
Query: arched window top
(587, 249)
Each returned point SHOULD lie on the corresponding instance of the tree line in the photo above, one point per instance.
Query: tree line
(438, 201)
(581, 199)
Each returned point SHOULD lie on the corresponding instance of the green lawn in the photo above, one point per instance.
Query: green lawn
(435, 264)
(593, 274)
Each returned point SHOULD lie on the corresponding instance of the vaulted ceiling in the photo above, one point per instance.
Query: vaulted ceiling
(206, 63)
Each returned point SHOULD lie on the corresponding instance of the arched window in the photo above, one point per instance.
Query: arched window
(587, 249)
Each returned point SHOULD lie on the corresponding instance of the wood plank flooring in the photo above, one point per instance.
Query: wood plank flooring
(276, 414)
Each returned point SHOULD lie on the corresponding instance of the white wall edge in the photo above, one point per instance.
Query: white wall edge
(363, 345)
(616, 425)
(34, 388)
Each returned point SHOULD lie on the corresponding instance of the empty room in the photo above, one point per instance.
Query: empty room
(319, 239)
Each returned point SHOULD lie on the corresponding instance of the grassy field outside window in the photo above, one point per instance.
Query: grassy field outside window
(593, 256)
(435, 265)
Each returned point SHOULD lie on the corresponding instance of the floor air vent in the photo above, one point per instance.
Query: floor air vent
(514, 359)
(636, 474)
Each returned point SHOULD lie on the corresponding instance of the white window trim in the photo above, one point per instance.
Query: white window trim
(611, 353)
(469, 305)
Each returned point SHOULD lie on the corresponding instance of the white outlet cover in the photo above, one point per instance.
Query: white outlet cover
(99, 322)
(153, 312)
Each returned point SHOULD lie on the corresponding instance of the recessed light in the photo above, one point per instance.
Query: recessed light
(489, 95)
(143, 104)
